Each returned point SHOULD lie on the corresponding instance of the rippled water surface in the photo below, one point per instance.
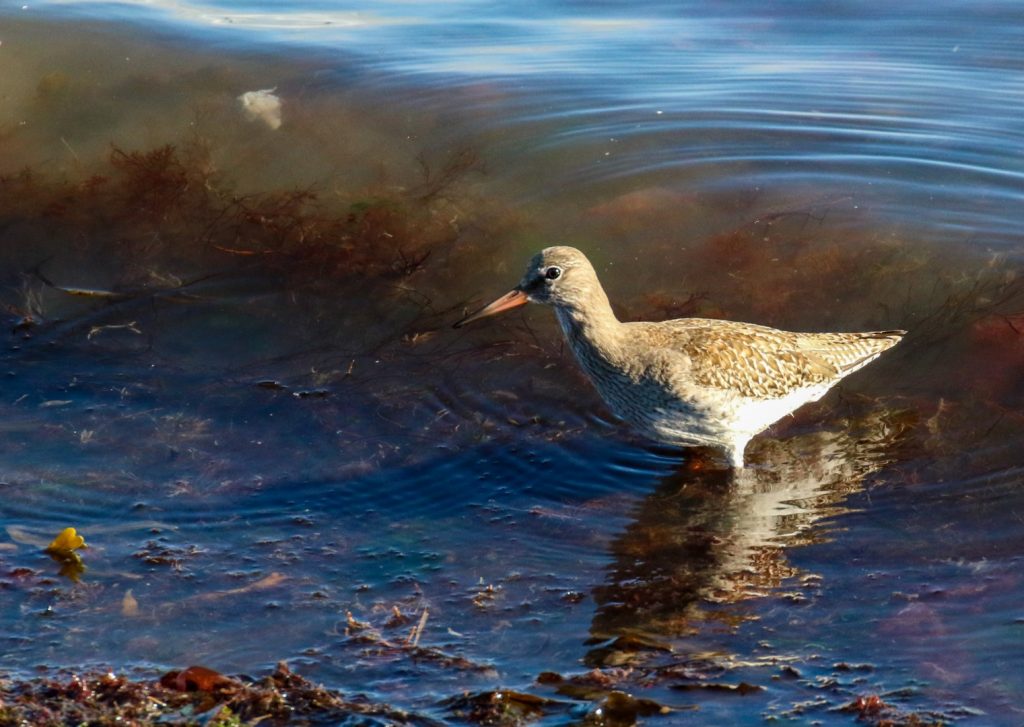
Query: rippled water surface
(229, 362)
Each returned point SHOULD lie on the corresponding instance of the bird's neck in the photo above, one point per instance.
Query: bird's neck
(590, 324)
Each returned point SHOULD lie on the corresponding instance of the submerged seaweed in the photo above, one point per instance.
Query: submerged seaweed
(206, 698)
(149, 208)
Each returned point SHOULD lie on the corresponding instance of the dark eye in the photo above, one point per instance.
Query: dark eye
(553, 273)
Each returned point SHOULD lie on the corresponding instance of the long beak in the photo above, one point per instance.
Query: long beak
(512, 299)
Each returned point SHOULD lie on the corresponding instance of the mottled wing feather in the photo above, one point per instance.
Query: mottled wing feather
(761, 362)
(847, 352)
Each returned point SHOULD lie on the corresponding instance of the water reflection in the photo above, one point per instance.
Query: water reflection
(708, 540)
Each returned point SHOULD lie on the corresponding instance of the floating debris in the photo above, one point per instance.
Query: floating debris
(378, 645)
(67, 541)
(743, 688)
(263, 105)
(62, 551)
(129, 605)
(312, 393)
(130, 327)
(271, 384)
(197, 679)
(620, 708)
(500, 707)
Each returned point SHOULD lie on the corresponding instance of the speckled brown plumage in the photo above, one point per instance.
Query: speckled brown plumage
(761, 362)
(691, 380)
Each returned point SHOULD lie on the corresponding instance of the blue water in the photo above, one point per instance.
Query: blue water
(260, 457)
(906, 107)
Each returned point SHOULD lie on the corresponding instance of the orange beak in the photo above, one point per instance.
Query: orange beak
(510, 300)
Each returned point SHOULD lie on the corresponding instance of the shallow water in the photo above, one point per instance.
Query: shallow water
(253, 407)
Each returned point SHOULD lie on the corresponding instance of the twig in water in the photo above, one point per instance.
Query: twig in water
(417, 631)
(68, 146)
(96, 330)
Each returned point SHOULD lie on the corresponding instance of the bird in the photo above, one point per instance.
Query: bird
(689, 381)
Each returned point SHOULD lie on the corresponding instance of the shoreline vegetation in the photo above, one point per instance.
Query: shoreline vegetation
(200, 696)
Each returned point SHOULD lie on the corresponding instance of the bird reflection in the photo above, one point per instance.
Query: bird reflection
(707, 541)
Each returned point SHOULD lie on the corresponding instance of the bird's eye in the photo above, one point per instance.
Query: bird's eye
(553, 273)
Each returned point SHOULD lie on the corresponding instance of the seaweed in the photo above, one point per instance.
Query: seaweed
(190, 697)
(375, 644)
(151, 206)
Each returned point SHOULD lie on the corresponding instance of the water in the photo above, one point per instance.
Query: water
(261, 421)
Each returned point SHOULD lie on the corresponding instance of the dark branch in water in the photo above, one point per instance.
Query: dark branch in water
(454, 168)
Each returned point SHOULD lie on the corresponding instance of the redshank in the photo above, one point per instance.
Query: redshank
(689, 381)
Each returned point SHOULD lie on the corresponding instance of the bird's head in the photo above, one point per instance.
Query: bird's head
(557, 276)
